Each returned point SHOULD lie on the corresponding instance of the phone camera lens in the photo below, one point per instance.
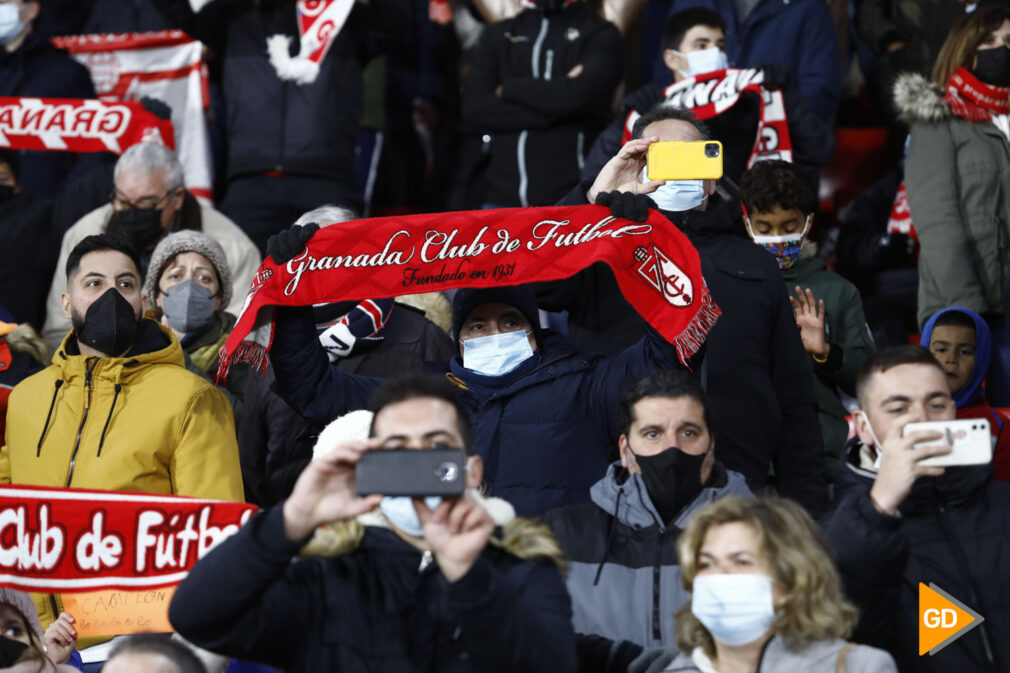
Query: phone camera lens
(447, 472)
(712, 150)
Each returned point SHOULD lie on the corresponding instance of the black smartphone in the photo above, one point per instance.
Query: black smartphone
(417, 473)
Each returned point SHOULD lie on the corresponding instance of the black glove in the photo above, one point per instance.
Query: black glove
(285, 245)
(626, 205)
(895, 248)
(157, 107)
(776, 76)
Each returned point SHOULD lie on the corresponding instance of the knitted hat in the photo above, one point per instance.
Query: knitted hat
(23, 603)
(187, 240)
(519, 296)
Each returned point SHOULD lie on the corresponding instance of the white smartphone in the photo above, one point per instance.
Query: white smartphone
(969, 439)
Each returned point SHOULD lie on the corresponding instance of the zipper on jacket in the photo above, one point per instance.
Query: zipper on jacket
(89, 368)
(538, 44)
(49, 416)
(105, 428)
(549, 65)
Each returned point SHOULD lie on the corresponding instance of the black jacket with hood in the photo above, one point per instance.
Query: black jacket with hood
(757, 376)
(543, 122)
(954, 531)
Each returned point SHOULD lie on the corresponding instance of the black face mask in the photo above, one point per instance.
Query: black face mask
(142, 228)
(110, 326)
(10, 651)
(6, 193)
(672, 478)
(993, 66)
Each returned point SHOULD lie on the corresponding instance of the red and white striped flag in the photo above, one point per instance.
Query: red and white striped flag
(167, 65)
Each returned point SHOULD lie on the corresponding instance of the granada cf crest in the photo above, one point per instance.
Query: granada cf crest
(664, 276)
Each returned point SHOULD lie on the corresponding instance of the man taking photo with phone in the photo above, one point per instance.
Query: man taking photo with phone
(899, 522)
(425, 586)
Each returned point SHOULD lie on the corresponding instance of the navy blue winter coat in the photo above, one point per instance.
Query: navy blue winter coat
(545, 439)
(797, 34)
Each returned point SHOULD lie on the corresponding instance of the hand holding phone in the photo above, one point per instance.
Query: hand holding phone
(969, 438)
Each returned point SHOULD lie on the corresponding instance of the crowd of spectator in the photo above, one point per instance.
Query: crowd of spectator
(756, 507)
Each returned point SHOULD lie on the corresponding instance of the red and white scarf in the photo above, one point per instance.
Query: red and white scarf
(712, 93)
(656, 267)
(319, 23)
(973, 100)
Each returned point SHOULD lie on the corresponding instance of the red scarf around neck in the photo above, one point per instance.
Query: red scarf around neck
(974, 100)
(656, 267)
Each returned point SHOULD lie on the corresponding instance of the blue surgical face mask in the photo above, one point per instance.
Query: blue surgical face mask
(679, 195)
(496, 354)
(703, 61)
(401, 513)
(736, 608)
(10, 23)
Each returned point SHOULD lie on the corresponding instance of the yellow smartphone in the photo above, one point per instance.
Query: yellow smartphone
(699, 160)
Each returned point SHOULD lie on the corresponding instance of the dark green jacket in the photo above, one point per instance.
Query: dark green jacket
(845, 329)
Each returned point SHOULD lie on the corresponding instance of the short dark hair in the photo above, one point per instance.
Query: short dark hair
(881, 361)
(156, 643)
(401, 389)
(677, 25)
(663, 112)
(98, 243)
(954, 318)
(777, 183)
(13, 161)
(662, 383)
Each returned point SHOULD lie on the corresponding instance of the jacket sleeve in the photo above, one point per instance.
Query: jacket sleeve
(562, 96)
(305, 379)
(853, 343)
(243, 599)
(205, 462)
(799, 458)
(519, 620)
(947, 276)
(482, 108)
(871, 551)
(606, 145)
(817, 72)
(244, 259)
(813, 140)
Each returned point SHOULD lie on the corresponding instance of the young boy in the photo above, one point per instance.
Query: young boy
(778, 205)
(959, 340)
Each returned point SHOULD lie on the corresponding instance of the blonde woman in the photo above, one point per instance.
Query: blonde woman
(765, 596)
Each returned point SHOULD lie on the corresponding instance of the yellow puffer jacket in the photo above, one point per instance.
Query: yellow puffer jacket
(136, 423)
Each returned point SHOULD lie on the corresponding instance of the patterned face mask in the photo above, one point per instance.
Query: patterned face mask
(786, 248)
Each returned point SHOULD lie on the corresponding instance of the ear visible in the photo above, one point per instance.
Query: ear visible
(863, 428)
(475, 471)
(32, 10)
(65, 305)
(710, 187)
(627, 458)
(674, 62)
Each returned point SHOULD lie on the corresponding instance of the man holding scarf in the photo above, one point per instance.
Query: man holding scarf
(543, 413)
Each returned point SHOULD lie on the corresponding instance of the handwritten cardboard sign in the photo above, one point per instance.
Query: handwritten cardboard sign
(114, 612)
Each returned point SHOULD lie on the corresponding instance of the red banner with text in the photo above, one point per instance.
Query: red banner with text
(66, 540)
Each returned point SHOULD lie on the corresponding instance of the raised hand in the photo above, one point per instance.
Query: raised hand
(325, 491)
(61, 638)
(809, 313)
(457, 531)
(286, 245)
(623, 173)
(899, 464)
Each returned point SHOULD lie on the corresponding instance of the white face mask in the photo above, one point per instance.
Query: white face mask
(876, 442)
(10, 22)
(735, 608)
(703, 61)
(401, 513)
(497, 354)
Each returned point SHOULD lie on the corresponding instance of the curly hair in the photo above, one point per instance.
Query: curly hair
(811, 606)
(776, 183)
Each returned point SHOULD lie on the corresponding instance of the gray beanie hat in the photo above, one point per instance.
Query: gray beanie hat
(187, 240)
(23, 603)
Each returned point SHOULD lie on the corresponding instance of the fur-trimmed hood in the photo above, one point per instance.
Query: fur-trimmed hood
(918, 100)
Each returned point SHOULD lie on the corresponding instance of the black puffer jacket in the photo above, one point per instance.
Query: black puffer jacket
(544, 122)
(276, 125)
(379, 609)
(954, 531)
(757, 376)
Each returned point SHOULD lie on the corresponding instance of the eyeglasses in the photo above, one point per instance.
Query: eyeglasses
(120, 202)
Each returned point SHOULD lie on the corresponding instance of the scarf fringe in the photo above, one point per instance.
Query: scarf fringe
(693, 337)
(296, 69)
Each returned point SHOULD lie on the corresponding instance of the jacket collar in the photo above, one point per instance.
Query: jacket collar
(155, 345)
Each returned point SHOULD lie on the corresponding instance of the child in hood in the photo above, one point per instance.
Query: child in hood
(959, 339)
